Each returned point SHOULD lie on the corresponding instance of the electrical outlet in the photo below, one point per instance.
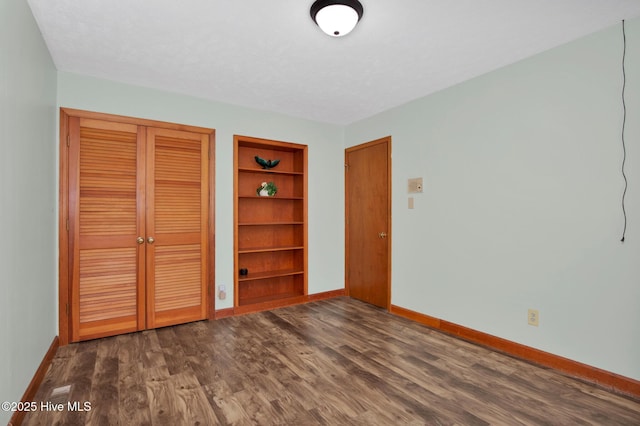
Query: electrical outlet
(222, 292)
(533, 317)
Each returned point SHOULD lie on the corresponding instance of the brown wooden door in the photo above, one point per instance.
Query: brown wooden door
(138, 227)
(368, 222)
(106, 215)
(177, 221)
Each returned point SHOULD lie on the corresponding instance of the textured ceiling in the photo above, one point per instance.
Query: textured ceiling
(270, 55)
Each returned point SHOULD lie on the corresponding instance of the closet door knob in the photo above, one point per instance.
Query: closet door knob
(139, 240)
(382, 235)
(150, 240)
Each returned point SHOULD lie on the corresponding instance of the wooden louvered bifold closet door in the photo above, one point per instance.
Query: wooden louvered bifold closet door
(138, 216)
(177, 205)
(106, 197)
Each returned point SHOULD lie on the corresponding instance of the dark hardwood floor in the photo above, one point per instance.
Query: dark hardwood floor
(333, 362)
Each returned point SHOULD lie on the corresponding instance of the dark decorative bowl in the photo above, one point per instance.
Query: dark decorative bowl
(266, 164)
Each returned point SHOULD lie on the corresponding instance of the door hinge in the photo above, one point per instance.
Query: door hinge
(68, 140)
(346, 166)
(67, 309)
(67, 224)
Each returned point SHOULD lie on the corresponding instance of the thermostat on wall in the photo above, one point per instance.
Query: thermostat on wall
(415, 185)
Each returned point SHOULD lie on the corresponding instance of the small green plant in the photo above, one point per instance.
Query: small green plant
(267, 189)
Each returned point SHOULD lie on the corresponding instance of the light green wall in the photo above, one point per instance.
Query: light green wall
(522, 202)
(28, 263)
(326, 180)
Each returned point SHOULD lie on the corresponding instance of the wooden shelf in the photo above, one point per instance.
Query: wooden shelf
(268, 249)
(271, 298)
(269, 274)
(270, 223)
(270, 233)
(268, 171)
(274, 198)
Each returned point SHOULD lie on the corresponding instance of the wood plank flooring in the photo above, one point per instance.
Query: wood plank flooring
(332, 362)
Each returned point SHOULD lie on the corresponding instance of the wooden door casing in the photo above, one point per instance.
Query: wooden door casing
(368, 222)
(108, 202)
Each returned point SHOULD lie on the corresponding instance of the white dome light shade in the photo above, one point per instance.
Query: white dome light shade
(336, 18)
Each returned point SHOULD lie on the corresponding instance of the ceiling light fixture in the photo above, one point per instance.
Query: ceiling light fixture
(336, 18)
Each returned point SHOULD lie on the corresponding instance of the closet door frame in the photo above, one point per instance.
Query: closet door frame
(64, 242)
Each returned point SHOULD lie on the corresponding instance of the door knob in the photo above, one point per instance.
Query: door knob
(150, 240)
(139, 240)
(382, 235)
